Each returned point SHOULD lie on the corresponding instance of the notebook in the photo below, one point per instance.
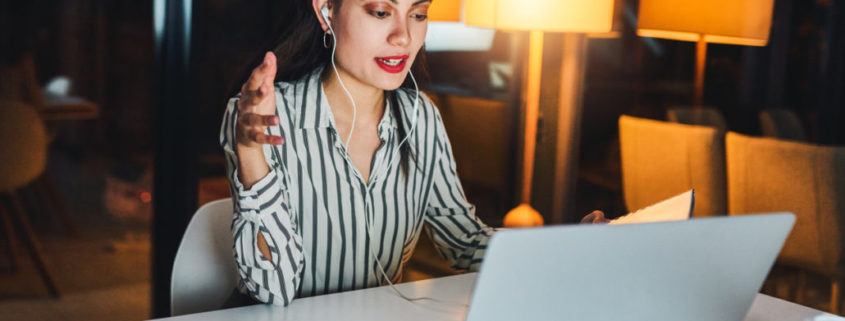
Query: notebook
(675, 208)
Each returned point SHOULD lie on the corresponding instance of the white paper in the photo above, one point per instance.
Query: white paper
(676, 208)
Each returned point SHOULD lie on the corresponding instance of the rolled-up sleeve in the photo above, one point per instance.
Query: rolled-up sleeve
(263, 208)
(450, 219)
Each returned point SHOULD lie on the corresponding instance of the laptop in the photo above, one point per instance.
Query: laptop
(704, 269)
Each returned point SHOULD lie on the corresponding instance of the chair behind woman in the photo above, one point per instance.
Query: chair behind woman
(204, 272)
(662, 159)
(23, 158)
(772, 175)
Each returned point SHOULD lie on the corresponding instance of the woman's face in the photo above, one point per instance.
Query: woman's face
(378, 40)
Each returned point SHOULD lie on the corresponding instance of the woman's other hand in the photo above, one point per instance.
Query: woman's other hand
(596, 217)
(257, 107)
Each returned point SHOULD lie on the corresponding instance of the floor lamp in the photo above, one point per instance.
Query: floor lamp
(573, 17)
(736, 22)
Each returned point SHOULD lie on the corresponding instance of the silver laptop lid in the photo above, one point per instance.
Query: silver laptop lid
(700, 269)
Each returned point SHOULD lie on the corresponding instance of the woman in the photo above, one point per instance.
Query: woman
(334, 168)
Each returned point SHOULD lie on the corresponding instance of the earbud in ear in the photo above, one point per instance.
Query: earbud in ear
(325, 12)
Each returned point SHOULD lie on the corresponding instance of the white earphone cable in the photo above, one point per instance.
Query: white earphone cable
(413, 126)
(354, 107)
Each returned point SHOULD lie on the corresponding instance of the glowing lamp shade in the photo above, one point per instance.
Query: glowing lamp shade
(445, 10)
(543, 15)
(736, 22)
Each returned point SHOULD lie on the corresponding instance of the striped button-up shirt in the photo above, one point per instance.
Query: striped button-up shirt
(313, 207)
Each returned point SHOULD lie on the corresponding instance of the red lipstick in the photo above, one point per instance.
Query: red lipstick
(393, 64)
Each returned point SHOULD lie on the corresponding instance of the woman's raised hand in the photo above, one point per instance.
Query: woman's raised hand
(257, 107)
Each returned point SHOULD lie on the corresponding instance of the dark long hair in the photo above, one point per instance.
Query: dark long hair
(298, 45)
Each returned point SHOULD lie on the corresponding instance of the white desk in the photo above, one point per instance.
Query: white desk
(383, 304)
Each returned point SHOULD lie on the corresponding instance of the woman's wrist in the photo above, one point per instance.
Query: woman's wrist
(252, 166)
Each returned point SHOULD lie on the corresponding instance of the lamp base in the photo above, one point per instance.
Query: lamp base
(523, 216)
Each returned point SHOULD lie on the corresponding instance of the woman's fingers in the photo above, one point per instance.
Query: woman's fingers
(253, 126)
(596, 217)
(259, 87)
(270, 72)
(256, 120)
(259, 75)
(253, 98)
(264, 73)
(257, 105)
(260, 137)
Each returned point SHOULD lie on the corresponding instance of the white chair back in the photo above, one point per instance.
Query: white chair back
(204, 271)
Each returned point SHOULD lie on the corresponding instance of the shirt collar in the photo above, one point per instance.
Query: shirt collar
(318, 104)
(326, 119)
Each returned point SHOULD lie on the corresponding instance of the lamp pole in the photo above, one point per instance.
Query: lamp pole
(569, 124)
(532, 109)
(700, 59)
